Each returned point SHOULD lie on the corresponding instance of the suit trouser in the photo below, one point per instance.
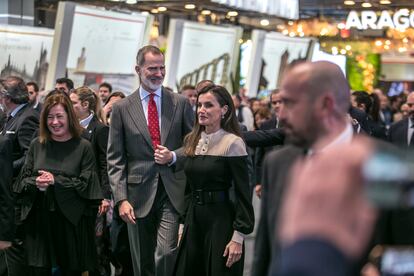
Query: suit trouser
(153, 239)
(12, 262)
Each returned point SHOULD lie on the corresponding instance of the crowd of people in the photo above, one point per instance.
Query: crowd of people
(161, 183)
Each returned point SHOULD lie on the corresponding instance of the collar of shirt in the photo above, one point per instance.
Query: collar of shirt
(144, 96)
(344, 138)
(85, 122)
(144, 93)
(410, 123)
(17, 109)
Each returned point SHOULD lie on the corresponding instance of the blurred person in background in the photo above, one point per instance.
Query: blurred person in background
(363, 101)
(254, 104)
(64, 84)
(190, 92)
(262, 115)
(86, 105)
(58, 193)
(243, 113)
(105, 89)
(33, 90)
(402, 113)
(113, 98)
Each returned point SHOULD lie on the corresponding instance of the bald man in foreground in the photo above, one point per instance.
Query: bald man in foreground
(325, 227)
(315, 100)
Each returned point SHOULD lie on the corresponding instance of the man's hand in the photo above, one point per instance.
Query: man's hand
(126, 212)
(163, 155)
(5, 245)
(258, 190)
(326, 200)
(104, 207)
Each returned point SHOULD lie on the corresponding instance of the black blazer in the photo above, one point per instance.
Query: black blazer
(6, 196)
(97, 134)
(397, 134)
(264, 138)
(21, 130)
(276, 167)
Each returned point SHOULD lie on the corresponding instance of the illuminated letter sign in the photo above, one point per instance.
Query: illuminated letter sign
(402, 19)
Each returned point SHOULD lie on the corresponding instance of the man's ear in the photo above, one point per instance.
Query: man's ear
(137, 68)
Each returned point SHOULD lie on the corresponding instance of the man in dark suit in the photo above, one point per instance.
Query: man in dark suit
(6, 197)
(324, 227)
(22, 120)
(315, 100)
(148, 190)
(261, 152)
(396, 226)
(401, 132)
(20, 127)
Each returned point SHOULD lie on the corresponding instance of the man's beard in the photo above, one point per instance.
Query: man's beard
(150, 85)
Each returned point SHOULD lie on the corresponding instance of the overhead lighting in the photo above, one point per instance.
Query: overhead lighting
(205, 12)
(154, 11)
(131, 1)
(341, 26)
(162, 9)
(366, 5)
(189, 6)
(264, 22)
(145, 13)
(232, 13)
(290, 23)
(385, 2)
(349, 3)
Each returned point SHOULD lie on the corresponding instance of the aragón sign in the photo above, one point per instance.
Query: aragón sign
(401, 19)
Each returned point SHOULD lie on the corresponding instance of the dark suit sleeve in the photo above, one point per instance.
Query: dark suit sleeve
(264, 138)
(101, 145)
(25, 135)
(244, 218)
(312, 257)
(6, 197)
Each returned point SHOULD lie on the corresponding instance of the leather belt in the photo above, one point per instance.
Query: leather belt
(202, 197)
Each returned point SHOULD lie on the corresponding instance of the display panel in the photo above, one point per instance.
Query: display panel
(197, 52)
(105, 41)
(271, 54)
(25, 52)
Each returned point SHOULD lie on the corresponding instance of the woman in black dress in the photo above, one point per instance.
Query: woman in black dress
(58, 194)
(215, 226)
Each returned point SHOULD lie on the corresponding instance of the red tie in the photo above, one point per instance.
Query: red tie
(153, 123)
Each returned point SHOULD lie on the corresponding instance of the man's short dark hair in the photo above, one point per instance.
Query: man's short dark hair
(15, 89)
(107, 85)
(187, 87)
(35, 86)
(144, 50)
(67, 81)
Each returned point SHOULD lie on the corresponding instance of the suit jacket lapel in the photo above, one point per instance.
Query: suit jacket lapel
(87, 134)
(136, 112)
(168, 104)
